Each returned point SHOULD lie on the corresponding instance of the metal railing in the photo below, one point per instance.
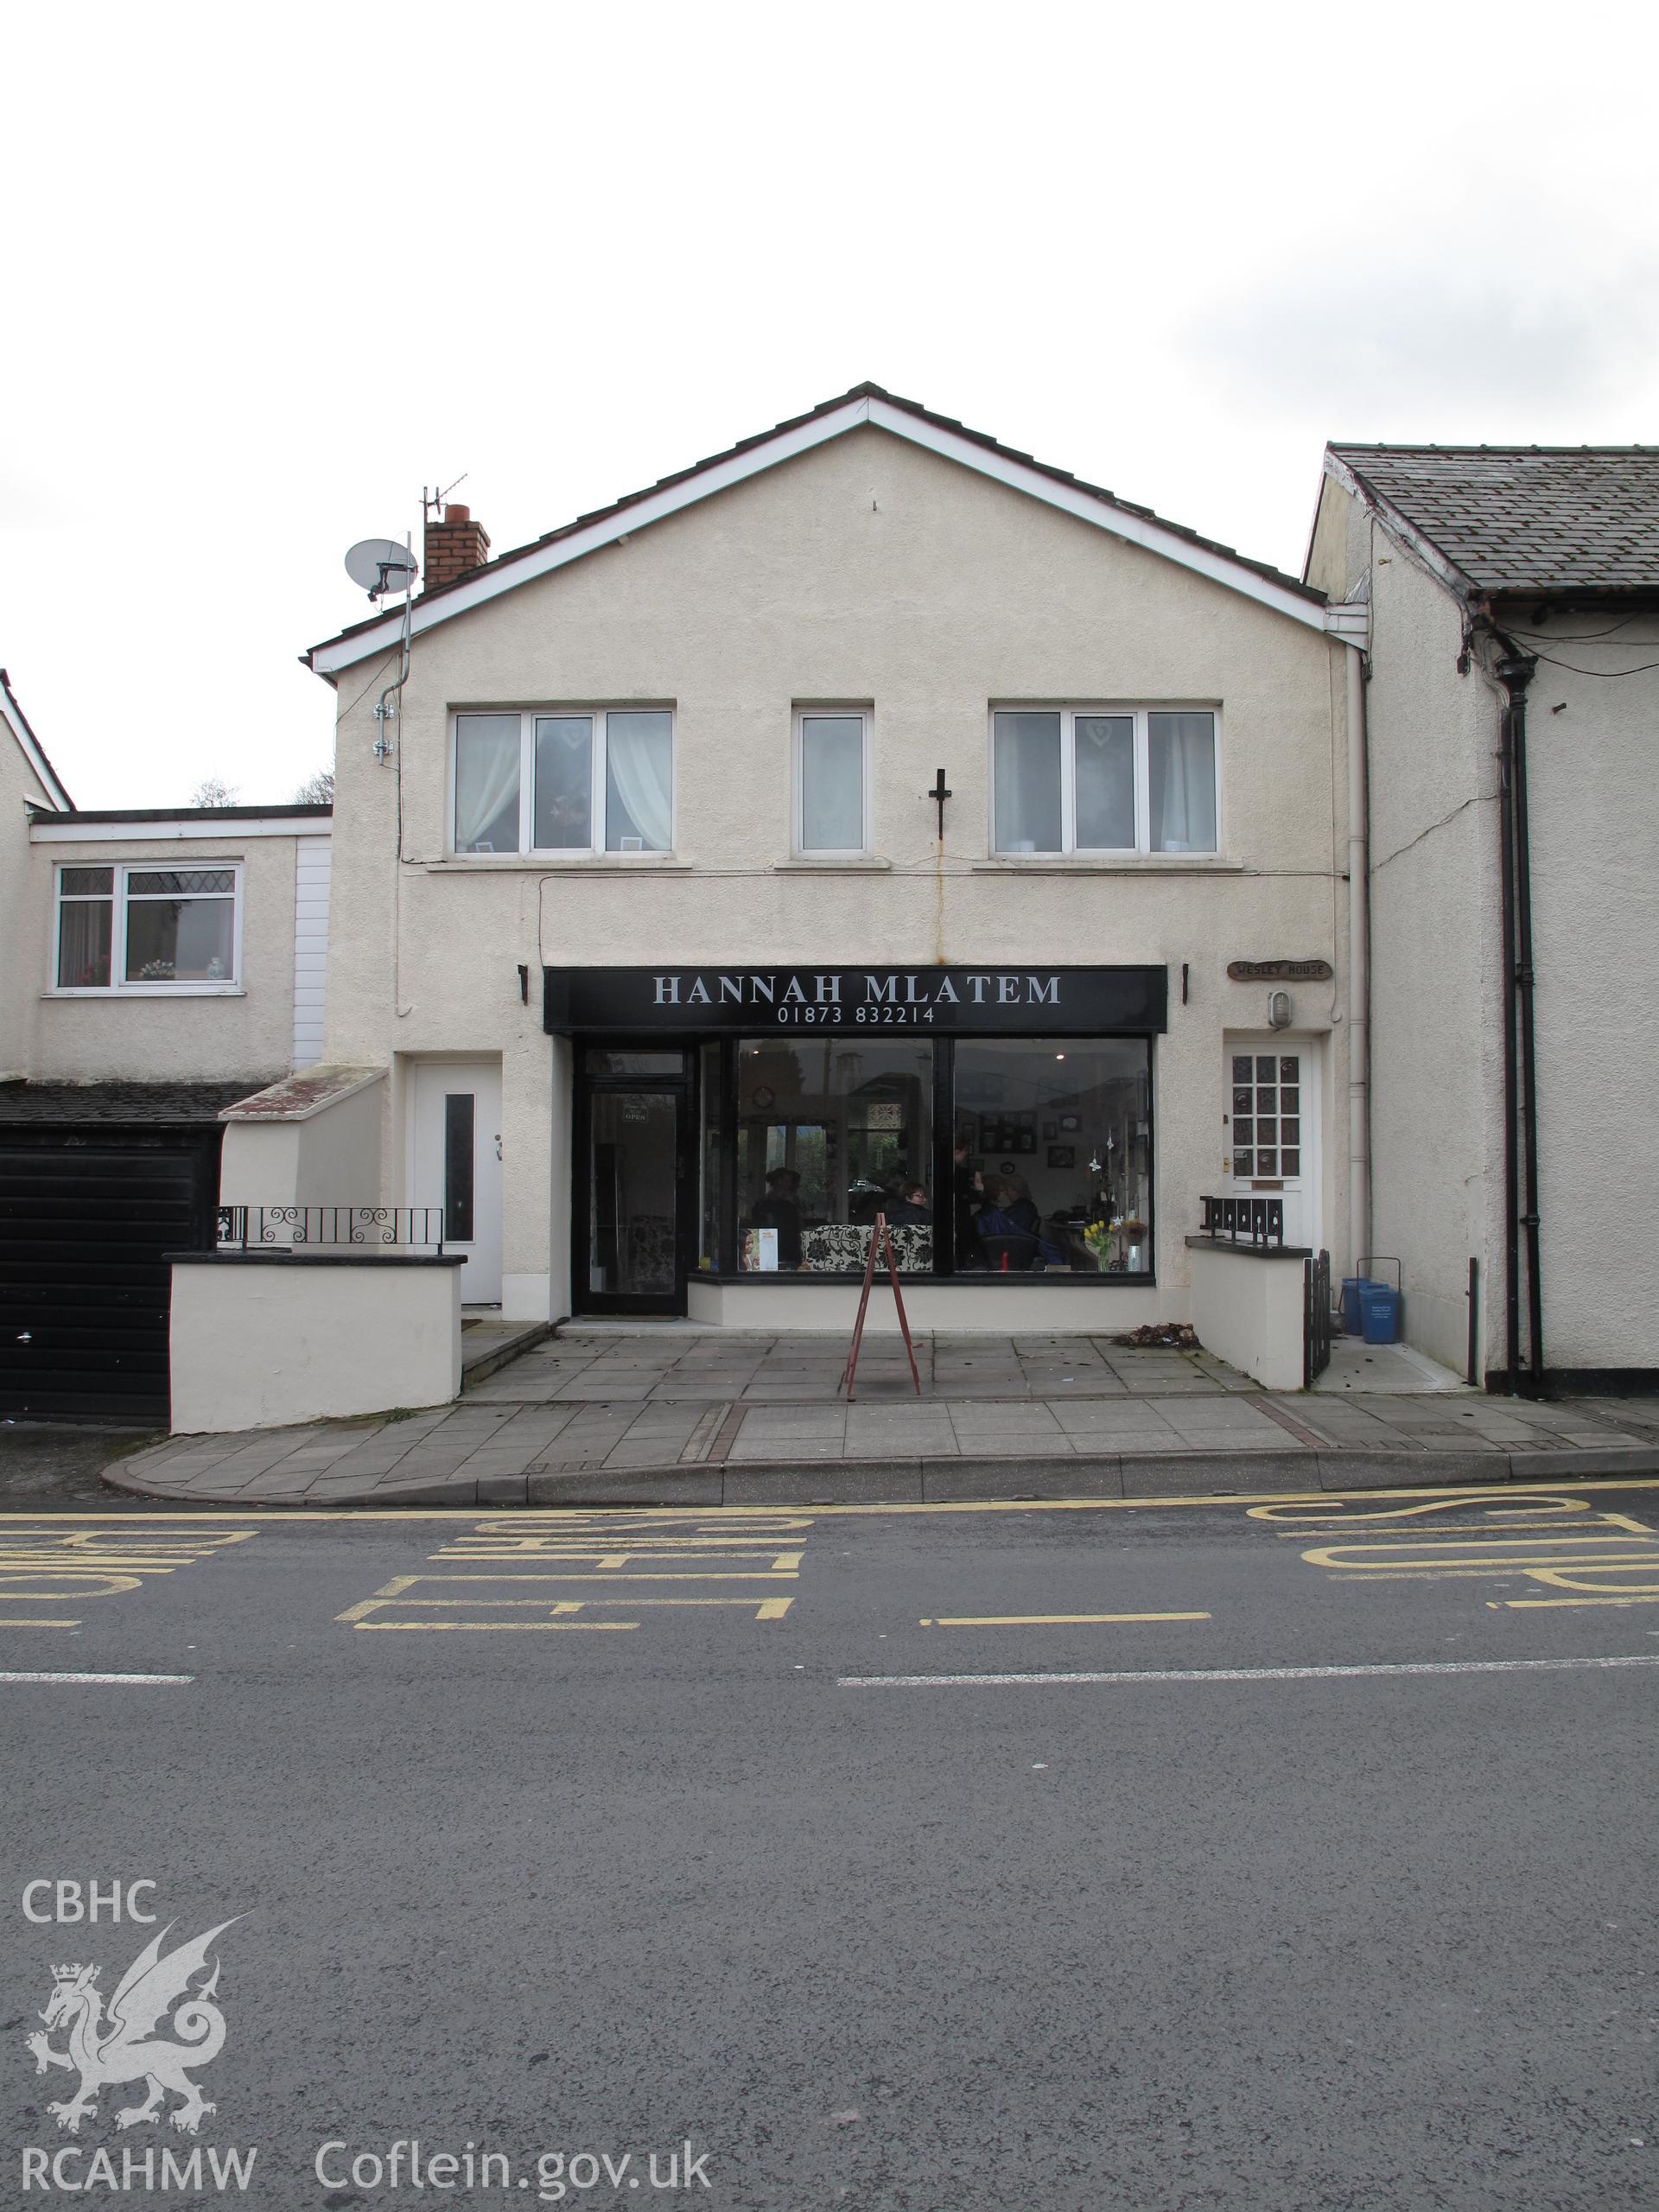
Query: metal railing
(1316, 1316)
(1243, 1221)
(339, 1228)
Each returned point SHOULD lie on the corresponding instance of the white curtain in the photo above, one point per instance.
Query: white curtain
(832, 783)
(1183, 782)
(640, 770)
(487, 783)
(1105, 785)
(1028, 782)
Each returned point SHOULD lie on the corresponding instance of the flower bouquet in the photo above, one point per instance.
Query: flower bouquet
(1097, 1236)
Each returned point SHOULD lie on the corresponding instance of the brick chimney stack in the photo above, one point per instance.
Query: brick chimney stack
(453, 546)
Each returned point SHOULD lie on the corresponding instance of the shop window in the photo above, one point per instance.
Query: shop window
(832, 783)
(1053, 1156)
(600, 781)
(1075, 780)
(127, 928)
(830, 1133)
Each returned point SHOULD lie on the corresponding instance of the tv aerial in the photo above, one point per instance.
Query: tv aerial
(380, 565)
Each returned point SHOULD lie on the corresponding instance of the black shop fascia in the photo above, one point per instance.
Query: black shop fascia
(744, 1124)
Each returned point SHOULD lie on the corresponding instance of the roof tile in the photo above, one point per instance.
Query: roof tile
(1526, 518)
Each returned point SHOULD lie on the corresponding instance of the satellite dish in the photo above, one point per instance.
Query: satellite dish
(381, 564)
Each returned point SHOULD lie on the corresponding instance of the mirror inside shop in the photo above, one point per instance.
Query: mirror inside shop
(1051, 1154)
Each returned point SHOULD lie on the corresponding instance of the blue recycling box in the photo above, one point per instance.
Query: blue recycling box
(1379, 1307)
(1353, 1288)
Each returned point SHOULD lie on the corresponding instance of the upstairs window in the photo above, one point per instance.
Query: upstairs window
(832, 782)
(599, 780)
(1123, 780)
(123, 927)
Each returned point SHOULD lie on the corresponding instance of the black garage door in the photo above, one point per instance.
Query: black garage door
(86, 1215)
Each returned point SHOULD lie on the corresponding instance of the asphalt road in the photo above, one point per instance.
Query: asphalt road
(572, 1837)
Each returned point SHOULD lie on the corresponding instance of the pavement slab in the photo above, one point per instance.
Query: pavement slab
(706, 1419)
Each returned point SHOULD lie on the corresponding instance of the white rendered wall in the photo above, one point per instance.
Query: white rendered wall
(1248, 1310)
(865, 570)
(160, 1038)
(1594, 796)
(265, 1344)
(958, 1309)
(19, 920)
(1437, 1167)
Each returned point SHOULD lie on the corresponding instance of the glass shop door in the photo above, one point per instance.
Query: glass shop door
(635, 1213)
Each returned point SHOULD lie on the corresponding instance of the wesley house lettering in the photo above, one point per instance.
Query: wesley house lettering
(1023, 1000)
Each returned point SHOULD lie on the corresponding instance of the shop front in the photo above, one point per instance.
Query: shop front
(739, 1130)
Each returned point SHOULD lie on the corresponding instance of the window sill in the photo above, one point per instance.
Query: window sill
(1091, 864)
(151, 991)
(990, 1279)
(848, 864)
(556, 864)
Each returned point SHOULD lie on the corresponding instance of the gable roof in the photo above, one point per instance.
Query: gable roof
(864, 403)
(32, 751)
(1561, 521)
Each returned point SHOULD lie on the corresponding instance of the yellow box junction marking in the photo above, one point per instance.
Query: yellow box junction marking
(44, 1563)
(551, 1516)
(1561, 1541)
(526, 1574)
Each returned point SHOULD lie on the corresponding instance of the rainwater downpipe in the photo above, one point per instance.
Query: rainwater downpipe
(1359, 965)
(1514, 672)
(390, 748)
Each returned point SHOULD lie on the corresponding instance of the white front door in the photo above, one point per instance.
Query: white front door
(1270, 1126)
(455, 1154)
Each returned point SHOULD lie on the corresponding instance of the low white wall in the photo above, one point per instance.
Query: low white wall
(1247, 1308)
(260, 1164)
(1057, 1308)
(264, 1341)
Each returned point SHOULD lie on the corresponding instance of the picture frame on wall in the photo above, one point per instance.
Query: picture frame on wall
(1062, 1155)
(1025, 1141)
(1051, 1130)
(1070, 1123)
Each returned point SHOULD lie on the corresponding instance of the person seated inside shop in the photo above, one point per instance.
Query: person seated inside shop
(1010, 1227)
(907, 1207)
(781, 1210)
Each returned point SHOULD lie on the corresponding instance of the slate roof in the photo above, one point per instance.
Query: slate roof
(1551, 519)
(159, 1105)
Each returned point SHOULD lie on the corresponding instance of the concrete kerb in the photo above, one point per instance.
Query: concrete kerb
(917, 1479)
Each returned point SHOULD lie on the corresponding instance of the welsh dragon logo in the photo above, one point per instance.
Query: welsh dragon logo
(121, 2046)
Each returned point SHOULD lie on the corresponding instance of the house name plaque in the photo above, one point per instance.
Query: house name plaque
(1280, 971)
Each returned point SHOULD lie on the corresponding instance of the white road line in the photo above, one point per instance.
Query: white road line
(1243, 1674)
(122, 1679)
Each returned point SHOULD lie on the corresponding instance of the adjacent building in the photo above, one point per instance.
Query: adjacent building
(1513, 640)
(160, 963)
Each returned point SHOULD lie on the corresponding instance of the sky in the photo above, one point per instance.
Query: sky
(269, 272)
